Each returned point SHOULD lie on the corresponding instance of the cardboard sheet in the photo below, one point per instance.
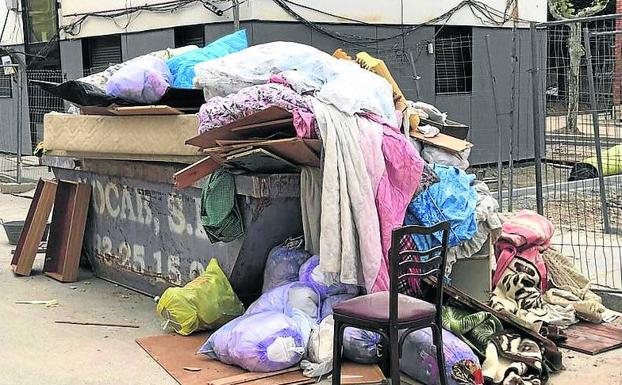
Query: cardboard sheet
(446, 142)
(593, 339)
(129, 135)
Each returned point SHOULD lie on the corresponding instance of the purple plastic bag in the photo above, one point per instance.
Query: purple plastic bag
(325, 284)
(144, 80)
(362, 346)
(329, 302)
(287, 298)
(419, 356)
(283, 263)
(262, 342)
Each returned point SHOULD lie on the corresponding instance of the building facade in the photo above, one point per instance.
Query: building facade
(445, 52)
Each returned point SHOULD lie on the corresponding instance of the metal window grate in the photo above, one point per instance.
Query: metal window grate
(453, 48)
(190, 35)
(102, 51)
(6, 90)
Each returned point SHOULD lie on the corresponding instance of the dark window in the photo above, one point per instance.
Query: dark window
(100, 52)
(41, 20)
(453, 48)
(6, 90)
(190, 35)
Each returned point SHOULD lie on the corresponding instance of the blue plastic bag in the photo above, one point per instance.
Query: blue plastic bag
(262, 342)
(362, 346)
(419, 358)
(182, 66)
(144, 80)
(329, 302)
(283, 263)
(325, 284)
(288, 298)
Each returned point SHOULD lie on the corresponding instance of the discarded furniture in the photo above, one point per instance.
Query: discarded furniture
(34, 227)
(389, 312)
(62, 257)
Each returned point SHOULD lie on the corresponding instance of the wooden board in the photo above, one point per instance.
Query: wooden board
(71, 205)
(357, 374)
(129, 110)
(593, 339)
(295, 150)
(34, 227)
(258, 160)
(266, 122)
(189, 175)
(443, 141)
(174, 352)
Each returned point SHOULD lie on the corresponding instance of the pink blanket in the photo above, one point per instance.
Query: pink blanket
(403, 169)
(526, 235)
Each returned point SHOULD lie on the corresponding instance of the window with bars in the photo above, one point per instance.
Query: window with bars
(190, 35)
(453, 66)
(6, 90)
(101, 51)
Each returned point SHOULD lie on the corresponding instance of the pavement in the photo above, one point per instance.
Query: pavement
(36, 350)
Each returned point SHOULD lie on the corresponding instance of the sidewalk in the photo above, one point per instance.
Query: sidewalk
(35, 350)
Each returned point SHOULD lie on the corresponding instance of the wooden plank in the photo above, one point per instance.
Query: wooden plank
(293, 149)
(62, 256)
(252, 376)
(189, 175)
(593, 339)
(34, 227)
(446, 142)
(260, 128)
(258, 160)
(174, 352)
(144, 110)
(244, 127)
(358, 374)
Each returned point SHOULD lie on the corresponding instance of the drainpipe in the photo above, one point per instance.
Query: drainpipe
(236, 15)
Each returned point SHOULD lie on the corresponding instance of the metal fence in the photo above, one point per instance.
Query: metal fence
(580, 122)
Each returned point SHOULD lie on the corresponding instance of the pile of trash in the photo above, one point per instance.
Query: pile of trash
(369, 161)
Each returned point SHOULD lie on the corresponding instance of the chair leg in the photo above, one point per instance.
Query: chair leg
(437, 334)
(394, 350)
(337, 342)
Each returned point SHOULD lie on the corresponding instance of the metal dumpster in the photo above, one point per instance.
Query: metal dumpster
(144, 234)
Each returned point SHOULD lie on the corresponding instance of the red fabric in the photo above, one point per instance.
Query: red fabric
(526, 235)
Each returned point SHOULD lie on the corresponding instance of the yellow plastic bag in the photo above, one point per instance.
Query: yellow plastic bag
(207, 302)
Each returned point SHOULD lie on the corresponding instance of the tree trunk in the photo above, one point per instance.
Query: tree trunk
(575, 52)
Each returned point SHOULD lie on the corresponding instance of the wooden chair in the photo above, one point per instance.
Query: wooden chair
(389, 312)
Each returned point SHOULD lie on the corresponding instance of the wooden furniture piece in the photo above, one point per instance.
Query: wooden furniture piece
(62, 257)
(34, 227)
(388, 312)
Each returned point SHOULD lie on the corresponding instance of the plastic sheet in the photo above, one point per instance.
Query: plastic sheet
(207, 302)
(419, 358)
(325, 284)
(144, 80)
(183, 66)
(262, 342)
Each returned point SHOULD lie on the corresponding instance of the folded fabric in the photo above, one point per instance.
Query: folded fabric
(182, 66)
(311, 207)
(511, 359)
(474, 329)
(587, 307)
(517, 293)
(219, 111)
(527, 234)
(453, 199)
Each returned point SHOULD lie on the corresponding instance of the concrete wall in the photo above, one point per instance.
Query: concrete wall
(391, 12)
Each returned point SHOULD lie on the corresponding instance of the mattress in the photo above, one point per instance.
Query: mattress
(150, 137)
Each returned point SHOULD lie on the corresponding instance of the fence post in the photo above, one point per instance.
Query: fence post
(18, 169)
(537, 130)
(493, 83)
(596, 127)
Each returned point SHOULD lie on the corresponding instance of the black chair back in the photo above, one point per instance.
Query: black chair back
(425, 263)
